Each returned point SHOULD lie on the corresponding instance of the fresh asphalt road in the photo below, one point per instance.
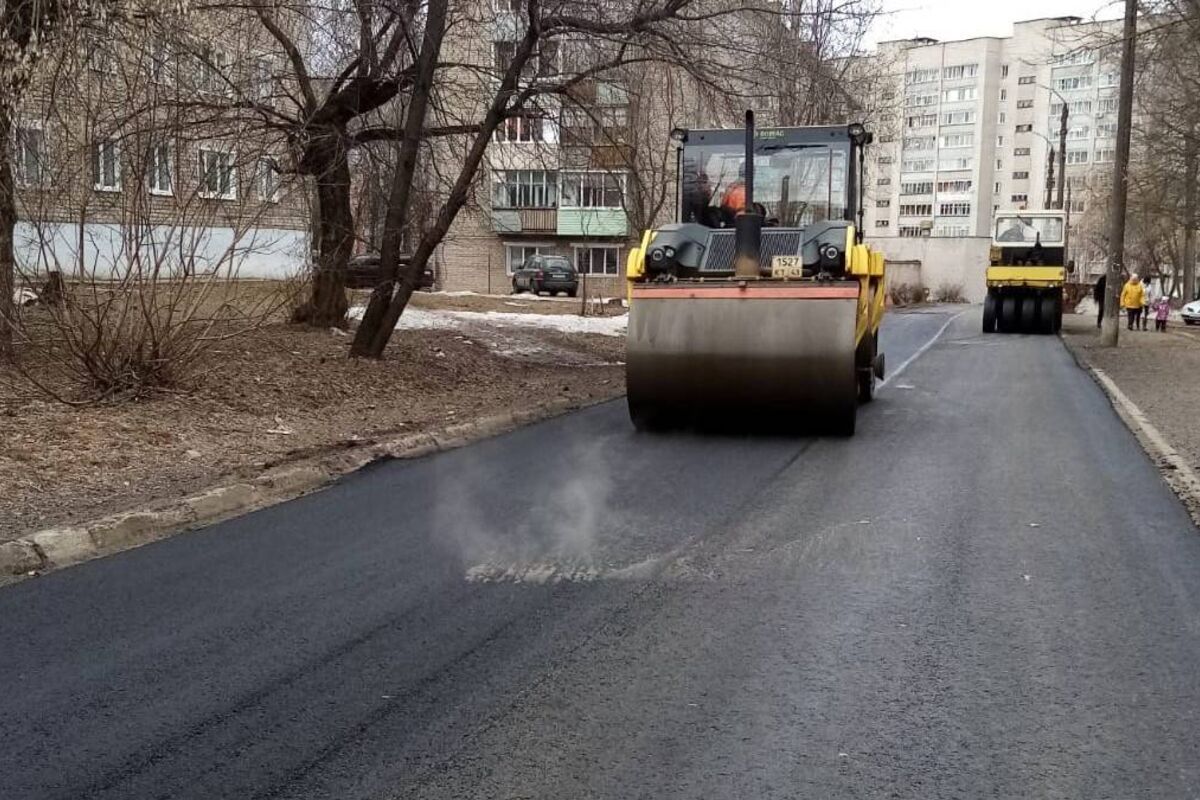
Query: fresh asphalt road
(987, 592)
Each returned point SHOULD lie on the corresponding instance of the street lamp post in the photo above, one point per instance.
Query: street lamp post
(1050, 153)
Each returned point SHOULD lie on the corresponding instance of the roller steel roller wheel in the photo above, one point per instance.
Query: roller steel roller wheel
(866, 368)
(1029, 314)
(717, 356)
(1008, 314)
(1047, 316)
(989, 313)
(1058, 306)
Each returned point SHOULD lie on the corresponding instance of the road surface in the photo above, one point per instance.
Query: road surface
(987, 592)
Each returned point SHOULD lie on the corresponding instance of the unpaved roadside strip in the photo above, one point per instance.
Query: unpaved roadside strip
(1174, 467)
(54, 548)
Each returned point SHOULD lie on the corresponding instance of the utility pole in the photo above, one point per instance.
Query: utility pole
(1049, 178)
(1062, 153)
(1116, 224)
(1190, 218)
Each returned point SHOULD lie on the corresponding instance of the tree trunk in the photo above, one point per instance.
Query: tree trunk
(326, 159)
(1116, 224)
(8, 224)
(399, 199)
(1190, 220)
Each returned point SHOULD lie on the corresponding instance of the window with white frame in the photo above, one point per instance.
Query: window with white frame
(916, 187)
(1024, 104)
(954, 210)
(1020, 198)
(912, 231)
(1105, 155)
(515, 254)
(1024, 128)
(1026, 80)
(218, 174)
(522, 129)
(1073, 82)
(920, 120)
(952, 230)
(160, 61)
(960, 71)
(269, 180)
(916, 209)
(1002, 118)
(1078, 205)
(1020, 151)
(1106, 130)
(916, 165)
(884, 203)
(882, 223)
(1109, 79)
(1077, 108)
(592, 190)
(1021, 175)
(1107, 105)
(920, 76)
(958, 162)
(1003, 95)
(524, 188)
(1004, 70)
(159, 177)
(29, 156)
(1000, 141)
(1077, 156)
(920, 142)
(958, 118)
(919, 100)
(263, 80)
(883, 182)
(959, 95)
(106, 165)
(958, 140)
(597, 260)
(954, 186)
(212, 67)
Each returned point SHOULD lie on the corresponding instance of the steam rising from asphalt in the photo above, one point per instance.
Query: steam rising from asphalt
(551, 525)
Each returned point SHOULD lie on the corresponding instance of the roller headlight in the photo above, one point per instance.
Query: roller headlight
(669, 251)
(657, 255)
(830, 253)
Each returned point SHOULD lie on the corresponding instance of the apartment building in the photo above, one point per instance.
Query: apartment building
(975, 121)
(121, 164)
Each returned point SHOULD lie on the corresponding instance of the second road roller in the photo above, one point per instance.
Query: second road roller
(1026, 272)
(760, 306)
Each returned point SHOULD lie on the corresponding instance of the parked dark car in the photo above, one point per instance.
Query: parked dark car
(363, 272)
(541, 273)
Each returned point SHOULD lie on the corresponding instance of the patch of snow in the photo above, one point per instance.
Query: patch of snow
(425, 319)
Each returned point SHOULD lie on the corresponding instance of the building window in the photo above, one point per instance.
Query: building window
(958, 118)
(917, 165)
(1110, 79)
(997, 189)
(543, 62)
(921, 120)
(594, 260)
(960, 71)
(916, 210)
(912, 231)
(885, 203)
(521, 129)
(919, 187)
(29, 158)
(1107, 105)
(1021, 151)
(268, 180)
(1004, 70)
(954, 210)
(525, 188)
(920, 142)
(961, 162)
(106, 165)
(1106, 130)
(952, 230)
(1002, 118)
(1024, 104)
(160, 61)
(212, 67)
(1105, 155)
(884, 160)
(263, 80)
(515, 254)
(100, 57)
(920, 76)
(883, 182)
(1077, 108)
(1024, 128)
(1078, 206)
(959, 95)
(1075, 82)
(1003, 95)
(1026, 80)
(159, 165)
(999, 163)
(958, 140)
(882, 223)
(1077, 156)
(1021, 176)
(954, 186)
(919, 100)
(593, 190)
(218, 175)
(1020, 198)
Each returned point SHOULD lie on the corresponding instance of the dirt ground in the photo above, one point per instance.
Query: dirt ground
(279, 394)
(1160, 372)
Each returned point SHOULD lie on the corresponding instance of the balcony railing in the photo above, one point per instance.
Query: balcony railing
(525, 220)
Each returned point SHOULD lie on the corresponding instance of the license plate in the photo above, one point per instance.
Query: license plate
(787, 267)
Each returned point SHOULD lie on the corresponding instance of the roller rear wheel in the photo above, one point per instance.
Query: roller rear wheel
(989, 313)
(1029, 314)
(1008, 314)
(1047, 316)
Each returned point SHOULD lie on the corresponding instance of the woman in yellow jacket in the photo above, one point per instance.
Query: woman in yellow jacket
(1132, 297)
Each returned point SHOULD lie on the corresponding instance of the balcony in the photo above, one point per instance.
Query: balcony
(593, 222)
(525, 220)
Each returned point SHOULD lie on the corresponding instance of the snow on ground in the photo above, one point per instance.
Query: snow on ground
(525, 296)
(423, 319)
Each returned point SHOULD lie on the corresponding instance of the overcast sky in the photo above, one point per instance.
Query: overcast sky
(964, 19)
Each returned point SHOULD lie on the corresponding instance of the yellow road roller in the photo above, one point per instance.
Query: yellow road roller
(1026, 272)
(760, 306)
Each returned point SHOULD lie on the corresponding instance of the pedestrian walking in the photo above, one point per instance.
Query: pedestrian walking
(1098, 297)
(1149, 301)
(1132, 295)
(1162, 310)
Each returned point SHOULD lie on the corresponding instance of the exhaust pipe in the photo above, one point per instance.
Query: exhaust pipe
(747, 225)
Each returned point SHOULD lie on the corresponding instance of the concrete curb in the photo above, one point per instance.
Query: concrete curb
(1174, 468)
(53, 548)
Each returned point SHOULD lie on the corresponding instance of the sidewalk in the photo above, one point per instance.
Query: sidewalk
(1159, 372)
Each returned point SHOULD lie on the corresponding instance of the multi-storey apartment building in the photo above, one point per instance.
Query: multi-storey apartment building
(975, 122)
(121, 164)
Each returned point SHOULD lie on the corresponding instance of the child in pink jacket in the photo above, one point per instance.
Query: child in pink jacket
(1162, 309)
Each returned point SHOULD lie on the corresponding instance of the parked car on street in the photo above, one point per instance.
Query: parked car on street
(541, 273)
(363, 272)
(1191, 313)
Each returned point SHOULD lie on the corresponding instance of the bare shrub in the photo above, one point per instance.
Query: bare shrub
(907, 294)
(949, 293)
